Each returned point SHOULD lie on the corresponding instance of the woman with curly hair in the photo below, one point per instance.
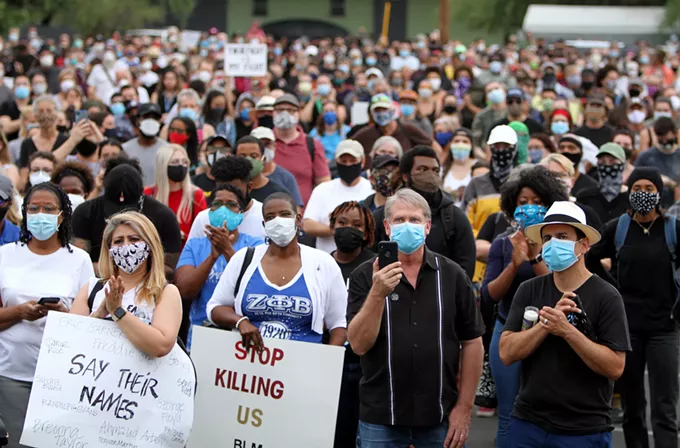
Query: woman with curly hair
(41, 265)
(513, 259)
(75, 179)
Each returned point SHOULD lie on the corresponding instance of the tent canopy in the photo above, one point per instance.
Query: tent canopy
(593, 20)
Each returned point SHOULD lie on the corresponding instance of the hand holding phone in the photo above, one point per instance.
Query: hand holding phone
(48, 300)
(388, 253)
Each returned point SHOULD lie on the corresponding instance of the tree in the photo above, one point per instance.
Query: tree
(182, 10)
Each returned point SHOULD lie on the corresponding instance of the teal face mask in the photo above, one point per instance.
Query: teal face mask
(408, 236)
(559, 255)
(42, 225)
(223, 215)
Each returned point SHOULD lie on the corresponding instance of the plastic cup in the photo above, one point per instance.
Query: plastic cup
(530, 317)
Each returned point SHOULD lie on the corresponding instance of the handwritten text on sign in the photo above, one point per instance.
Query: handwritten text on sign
(250, 399)
(245, 59)
(94, 389)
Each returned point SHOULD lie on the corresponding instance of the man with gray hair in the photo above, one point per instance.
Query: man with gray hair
(420, 315)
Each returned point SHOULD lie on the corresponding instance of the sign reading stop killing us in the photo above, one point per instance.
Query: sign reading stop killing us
(245, 60)
(285, 397)
(94, 389)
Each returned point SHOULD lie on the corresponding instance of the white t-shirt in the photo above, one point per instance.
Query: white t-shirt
(328, 195)
(251, 224)
(25, 276)
(142, 310)
(104, 85)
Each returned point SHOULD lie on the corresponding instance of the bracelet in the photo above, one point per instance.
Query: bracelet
(238, 322)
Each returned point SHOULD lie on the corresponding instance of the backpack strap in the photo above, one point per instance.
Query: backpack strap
(95, 289)
(448, 222)
(310, 146)
(671, 237)
(246, 262)
(621, 232)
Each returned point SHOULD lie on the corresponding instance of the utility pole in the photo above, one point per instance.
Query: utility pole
(444, 20)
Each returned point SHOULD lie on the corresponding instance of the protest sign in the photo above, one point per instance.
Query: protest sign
(94, 389)
(245, 59)
(285, 397)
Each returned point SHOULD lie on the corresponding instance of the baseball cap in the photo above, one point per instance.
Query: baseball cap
(312, 50)
(287, 98)
(571, 138)
(383, 160)
(374, 72)
(265, 103)
(596, 99)
(261, 132)
(515, 93)
(149, 108)
(351, 147)
(613, 150)
(218, 137)
(502, 134)
(381, 101)
(6, 188)
(408, 95)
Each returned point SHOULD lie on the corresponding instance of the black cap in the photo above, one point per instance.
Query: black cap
(384, 160)
(148, 109)
(571, 138)
(515, 93)
(287, 98)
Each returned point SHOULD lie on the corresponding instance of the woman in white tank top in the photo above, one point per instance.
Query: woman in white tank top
(136, 295)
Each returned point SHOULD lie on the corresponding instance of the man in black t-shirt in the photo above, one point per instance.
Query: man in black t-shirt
(595, 127)
(571, 350)
(123, 190)
(252, 148)
(216, 147)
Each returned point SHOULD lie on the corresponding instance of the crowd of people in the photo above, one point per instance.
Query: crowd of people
(520, 182)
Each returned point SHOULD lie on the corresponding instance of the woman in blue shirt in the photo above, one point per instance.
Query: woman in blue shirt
(525, 197)
(287, 291)
(328, 130)
(203, 260)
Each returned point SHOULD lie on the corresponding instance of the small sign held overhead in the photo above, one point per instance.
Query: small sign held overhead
(245, 60)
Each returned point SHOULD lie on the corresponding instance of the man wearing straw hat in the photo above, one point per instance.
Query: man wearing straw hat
(569, 331)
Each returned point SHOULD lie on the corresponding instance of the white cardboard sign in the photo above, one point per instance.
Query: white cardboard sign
(285, 397)
(94, 389)
(245, 60)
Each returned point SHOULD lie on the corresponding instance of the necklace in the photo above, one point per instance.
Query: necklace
(646, 230)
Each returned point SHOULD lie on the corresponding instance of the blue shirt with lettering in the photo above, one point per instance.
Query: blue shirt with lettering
(280, 312)
(194, 253)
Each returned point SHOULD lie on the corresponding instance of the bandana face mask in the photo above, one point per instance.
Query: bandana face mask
(129, 257)
(611, 179)
(501, 162)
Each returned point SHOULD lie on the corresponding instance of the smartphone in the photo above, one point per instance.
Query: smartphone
(388, 253)
(82, 115)
(50, 300)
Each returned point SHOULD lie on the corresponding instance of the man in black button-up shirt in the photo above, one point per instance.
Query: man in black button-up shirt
(412, 341)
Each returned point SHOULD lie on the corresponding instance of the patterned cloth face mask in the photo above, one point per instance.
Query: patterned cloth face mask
(611, 179)
(129, 256)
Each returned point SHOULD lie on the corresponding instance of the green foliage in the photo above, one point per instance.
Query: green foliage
(182, 10)
(105, 16)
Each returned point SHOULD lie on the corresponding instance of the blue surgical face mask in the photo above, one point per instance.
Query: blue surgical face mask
(559, 127)
(323, 89)
(188, 113)
(443, 138)
(528, 214)
(118, 109)
(460, 151)
(495, 67)
(407, 109)
(559, 255)
(535, 155)
(404, 53)
(22, 92)
(245, 114)
(383, 118)
(496, 96)
(330, 117)
(224, 215)
(371, 61)
(42, 225)
(408, 236)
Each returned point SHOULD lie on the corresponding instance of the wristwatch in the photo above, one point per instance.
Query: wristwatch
(536, 260)
(118, 314)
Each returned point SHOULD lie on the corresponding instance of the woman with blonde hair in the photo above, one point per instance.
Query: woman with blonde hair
(133, 291)
(28, 126)
(173, 186)
(6, 166)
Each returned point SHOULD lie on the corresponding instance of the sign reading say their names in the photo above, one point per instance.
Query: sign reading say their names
(285, 397)
(94, 389)
(245, 60)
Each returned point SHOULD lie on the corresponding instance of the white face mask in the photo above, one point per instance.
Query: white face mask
(67, 85)
(39, 88)
(269, 154)
(636, 116)
(39, 177)
(281, 231)
(76, 200)
(204, 76)
(149, 127)
(147, 66)
(436, 83)
(47, 60)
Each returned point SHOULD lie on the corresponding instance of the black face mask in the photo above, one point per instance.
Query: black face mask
(587, 85)
(86, 148)
(634, 93)
(216, 114)
(349, 173)
(450, 108)
(575, 158)
(267, 121)
(177, 173)
(111, 133)
(62, 128)
(348, 239)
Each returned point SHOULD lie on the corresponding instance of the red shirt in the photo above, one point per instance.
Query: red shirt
(294, 156)
(175, 198)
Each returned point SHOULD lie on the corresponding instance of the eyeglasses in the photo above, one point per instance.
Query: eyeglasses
(514, 101)
(32, 209)
(229, 204)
